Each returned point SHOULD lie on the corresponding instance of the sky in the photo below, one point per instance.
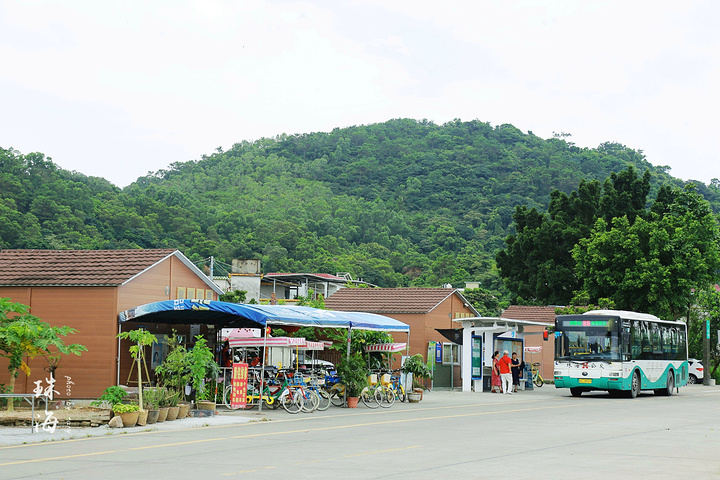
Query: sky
(120, 89)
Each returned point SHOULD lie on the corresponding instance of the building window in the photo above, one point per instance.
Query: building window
(451, 354)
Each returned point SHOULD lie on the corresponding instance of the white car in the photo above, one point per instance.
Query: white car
(695, 369)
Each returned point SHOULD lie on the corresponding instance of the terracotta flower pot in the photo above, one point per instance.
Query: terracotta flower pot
(184, 409)
(162, 415)
(129, 419)
(152, 416)
(172, 413)
(142, 418)
(352, 402)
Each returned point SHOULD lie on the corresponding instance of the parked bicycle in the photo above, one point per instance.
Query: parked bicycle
(397, 386)
(536, 377)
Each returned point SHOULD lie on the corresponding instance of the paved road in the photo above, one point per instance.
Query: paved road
(537, 434)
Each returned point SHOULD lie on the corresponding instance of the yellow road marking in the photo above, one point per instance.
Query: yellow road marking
(303, 430)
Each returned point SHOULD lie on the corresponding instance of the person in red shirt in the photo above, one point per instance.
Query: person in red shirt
(505, 365)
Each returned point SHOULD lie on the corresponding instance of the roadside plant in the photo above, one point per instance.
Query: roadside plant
(110, 397)
(142, 338)
(202, 365)
(125, 408)
(24, 336)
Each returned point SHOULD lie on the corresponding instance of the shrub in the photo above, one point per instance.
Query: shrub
(110, 397)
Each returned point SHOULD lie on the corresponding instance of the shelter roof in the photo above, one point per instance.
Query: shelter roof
(391, 300)
(312, 277)
(74, 268)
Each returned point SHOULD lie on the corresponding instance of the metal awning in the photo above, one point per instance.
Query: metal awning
(234, 315)
(385, 347)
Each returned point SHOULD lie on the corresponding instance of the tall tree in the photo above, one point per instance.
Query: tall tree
(537, 264)
(24, 335)
(653, 265)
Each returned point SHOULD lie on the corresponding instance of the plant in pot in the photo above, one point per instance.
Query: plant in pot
(141, 339)
(202, 365)
(172, 399)
(174, 371)
(416, 366)
(353, 374)
(151, 403)
(110, 397)
(128, 412)
(164, 402)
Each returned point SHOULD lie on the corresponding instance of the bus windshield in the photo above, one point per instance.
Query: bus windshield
(587, 344)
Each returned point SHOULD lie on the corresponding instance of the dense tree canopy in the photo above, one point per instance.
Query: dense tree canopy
(537, 264)
(401, 203)
(653, 265)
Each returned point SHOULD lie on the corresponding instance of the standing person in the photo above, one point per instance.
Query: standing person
(517, 369)
(504, 365)
(496, 383)
(226, 354)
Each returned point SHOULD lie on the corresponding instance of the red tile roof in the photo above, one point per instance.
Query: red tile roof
(535, 314)
(388, 300)
(76, 267)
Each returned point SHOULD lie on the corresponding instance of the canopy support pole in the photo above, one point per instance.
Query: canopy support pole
(262, 368)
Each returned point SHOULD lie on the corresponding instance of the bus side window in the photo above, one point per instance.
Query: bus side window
(626, 344)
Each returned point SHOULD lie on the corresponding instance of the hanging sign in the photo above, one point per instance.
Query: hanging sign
(476, 357)
(238, 395)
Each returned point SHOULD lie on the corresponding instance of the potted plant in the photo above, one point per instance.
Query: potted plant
(142, 338)
(151, 403)
(353, 374)
(164, 401)
(172, 399)
(174, 371)
(128, 412)
(202, 365)
(110, 397)
(416, 366)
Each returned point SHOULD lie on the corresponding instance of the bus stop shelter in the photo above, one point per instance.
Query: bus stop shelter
(478, 334)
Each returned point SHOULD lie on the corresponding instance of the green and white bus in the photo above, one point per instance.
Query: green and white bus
(621, 352)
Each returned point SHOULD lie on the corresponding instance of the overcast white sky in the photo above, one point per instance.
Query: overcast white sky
(117, 89)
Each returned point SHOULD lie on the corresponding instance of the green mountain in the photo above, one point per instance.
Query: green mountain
(399, 203)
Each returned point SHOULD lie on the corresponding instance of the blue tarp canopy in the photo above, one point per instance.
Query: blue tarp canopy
(234, 315)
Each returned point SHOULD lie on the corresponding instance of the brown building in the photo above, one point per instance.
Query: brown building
(86, 290)
(425, 310)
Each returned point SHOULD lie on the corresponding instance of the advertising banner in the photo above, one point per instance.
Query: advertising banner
(238, 396)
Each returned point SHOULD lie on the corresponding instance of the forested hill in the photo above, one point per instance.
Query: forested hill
(400, 203)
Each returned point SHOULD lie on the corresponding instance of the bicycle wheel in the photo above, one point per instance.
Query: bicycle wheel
(290, 401)
(311, 400)
(227, 399)
(337, 395)
(387, 396)
(538, 381)
(324, 397)
(370, 397)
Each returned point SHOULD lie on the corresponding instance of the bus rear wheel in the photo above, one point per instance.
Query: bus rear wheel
(576, 392)
(669, 387)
